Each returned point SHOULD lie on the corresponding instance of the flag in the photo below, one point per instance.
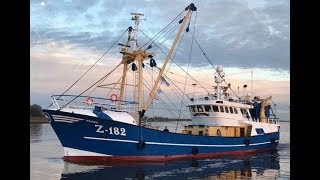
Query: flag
(156, 97)
(164, 81)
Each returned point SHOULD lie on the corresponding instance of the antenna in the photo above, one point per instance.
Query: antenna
(251, 95)
(135, 29)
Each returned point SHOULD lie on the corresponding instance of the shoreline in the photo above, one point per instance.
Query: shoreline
(38, 120)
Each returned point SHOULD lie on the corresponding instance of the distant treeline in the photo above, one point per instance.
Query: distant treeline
(35, 111)
(161, 119)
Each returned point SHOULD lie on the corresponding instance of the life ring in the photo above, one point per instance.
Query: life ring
(89, 101)
(113, 97)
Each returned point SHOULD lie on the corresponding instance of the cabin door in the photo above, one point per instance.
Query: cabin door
(241, 132)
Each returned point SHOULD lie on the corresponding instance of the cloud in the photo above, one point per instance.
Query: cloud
(231, 32)
(67, 37)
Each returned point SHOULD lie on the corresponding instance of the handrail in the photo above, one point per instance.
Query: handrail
(113, 107)
(129, 102)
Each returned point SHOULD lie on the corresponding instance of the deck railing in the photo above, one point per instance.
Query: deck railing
(88, 102)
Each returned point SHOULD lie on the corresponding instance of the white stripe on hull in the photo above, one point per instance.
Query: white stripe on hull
(77, 152)
(67, 117)
(173, 144)
(63, 121)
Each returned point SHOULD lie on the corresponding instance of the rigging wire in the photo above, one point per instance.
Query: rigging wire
(176, 94)
(183, 77)
(175, 110)
(101, 79)
(170, 110)
(167, 38)
(178, 64)
(179, 67)
(162, 29)
(91, 66)
(185, 82)
(164, 94)
(174, 55)
(214, 67)
(173, 90)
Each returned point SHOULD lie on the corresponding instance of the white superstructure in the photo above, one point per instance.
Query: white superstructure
(220, 109)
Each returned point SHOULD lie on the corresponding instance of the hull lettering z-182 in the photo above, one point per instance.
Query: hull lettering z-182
(111, 130)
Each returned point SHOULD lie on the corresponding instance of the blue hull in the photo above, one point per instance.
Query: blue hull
(120, 141)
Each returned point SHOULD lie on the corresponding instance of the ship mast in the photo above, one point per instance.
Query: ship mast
(189, 8)
(133, 56)
(125, 67)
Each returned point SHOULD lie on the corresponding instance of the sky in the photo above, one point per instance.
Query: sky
(249, 38)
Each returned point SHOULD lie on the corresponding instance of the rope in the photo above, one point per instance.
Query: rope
(91, 67)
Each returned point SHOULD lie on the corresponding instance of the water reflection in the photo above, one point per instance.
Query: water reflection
(265, 164)
(35, 131)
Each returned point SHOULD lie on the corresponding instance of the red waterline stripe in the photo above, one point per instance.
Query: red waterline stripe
(153, 159)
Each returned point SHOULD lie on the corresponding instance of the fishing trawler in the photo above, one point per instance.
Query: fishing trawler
(98, 130)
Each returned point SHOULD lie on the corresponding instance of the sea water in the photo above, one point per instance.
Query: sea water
(46, 162)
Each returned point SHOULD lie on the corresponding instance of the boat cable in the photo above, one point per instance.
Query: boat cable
(176, 109)
(210, 85)
(162, 30)
(216, 70)
(148, 86)
(190, 53)
(173, 90)
(170, 110)
(177, 63)
(174, 55)
(174, 28)
(154, 117)
(91, 66)
(177, 95)
(112, 87)
(101, 79)
(163, 93)
(200, 83)
(179, 67)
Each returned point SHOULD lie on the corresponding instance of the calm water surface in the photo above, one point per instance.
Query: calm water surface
(46, 162)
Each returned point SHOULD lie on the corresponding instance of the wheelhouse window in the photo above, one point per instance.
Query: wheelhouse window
(231, 110)
(200, 109)
(193, 109)
(235, 111)
(244, 113)
(221, 109)
(207, 108)
(215, 108)
(227, 109)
